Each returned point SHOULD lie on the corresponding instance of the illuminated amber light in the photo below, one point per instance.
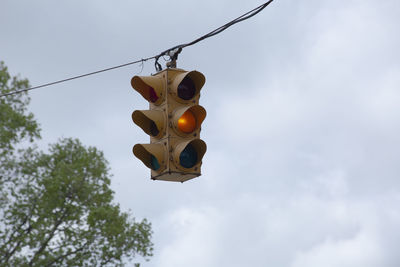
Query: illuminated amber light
(187, 122)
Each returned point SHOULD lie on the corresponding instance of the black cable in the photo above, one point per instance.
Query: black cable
(243, 17)
(75, 77)
(176, 50)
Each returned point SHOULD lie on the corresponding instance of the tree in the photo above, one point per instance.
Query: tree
(56, 208)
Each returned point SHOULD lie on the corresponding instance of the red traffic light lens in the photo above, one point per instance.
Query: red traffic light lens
(187, 122)
(186, 89)
(153, 95)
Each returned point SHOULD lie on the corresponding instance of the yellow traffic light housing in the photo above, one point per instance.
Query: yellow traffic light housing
(152, 122)
(152, 155)
(150, 87)
(185, 85)
(173, 122)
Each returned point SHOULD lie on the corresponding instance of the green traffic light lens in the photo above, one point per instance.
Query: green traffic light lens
(186, 89)
(154, 163)
(188, 157)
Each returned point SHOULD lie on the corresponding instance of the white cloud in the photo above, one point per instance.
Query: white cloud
(370, 246)
(361, 250)
(193, 236)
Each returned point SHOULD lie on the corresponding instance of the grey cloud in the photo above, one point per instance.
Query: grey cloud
(302, 126)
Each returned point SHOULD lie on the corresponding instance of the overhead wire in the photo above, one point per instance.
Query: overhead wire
(171, 52)
(218, 30)
(75, 77)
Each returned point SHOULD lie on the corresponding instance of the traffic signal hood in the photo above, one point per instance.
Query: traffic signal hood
(173, 123)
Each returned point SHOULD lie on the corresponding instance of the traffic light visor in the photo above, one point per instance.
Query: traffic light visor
(187, 85)
(150, 87)
(189, 154)
(152, 155)
(151, 121)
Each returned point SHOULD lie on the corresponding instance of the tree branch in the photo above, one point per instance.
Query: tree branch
(51, 235)
(61, 257)
(11, 239)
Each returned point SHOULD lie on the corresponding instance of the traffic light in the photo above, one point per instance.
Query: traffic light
(173, 123)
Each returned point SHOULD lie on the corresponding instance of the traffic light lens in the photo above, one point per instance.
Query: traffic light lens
(188, 157)
(187, 122)
(153, 95)
(186, 89)
(154, 163)
(153, 129)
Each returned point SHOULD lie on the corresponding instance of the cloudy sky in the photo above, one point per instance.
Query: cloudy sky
(302, 128)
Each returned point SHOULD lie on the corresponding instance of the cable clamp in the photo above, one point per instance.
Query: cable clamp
(173, 55)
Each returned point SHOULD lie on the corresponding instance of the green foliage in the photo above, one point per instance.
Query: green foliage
(57, 208)
(16, 123)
